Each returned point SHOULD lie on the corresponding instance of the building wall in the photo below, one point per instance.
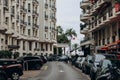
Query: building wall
(22, 23)
(104, 21)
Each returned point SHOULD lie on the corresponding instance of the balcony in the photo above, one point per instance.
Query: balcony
(35, 25)
(5, 4)
(46, 28)
(46, 17)
(100, 5)
(84, 17)
(13, 46)
(34, 13)
(23, 10)
(53, 19)
(35, 2)
(17, 2)
(3, 28)
(9, 32)
(53, 8)
(23, 23)
(100, 2)
(46, 5)
(87, 41)
(84, 4)
(84, 31)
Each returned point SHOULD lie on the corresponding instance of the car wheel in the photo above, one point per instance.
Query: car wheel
(15, 76)
(3, 77)
(37, 66)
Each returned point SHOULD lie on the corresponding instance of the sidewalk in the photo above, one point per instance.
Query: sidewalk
(29, 74)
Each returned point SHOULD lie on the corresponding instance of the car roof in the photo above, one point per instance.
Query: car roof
(8, 60)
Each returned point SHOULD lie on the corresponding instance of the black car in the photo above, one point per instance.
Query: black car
(31, 62)
(109, 70)
(3, 75)
(64, 58)
(96, 58)
(77, 62)
(86, 64)
(10, 69)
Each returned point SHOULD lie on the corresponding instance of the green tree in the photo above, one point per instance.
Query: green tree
(5, 54)
(71, 34)
(75, 46)
(16, 54)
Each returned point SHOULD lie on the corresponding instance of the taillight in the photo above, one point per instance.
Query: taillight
(2, 67)
(20, 66)
(118, 56)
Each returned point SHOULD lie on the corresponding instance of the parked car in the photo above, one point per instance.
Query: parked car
(77, 61)
(96, 58)
(64, 58)
(108, 70)
(31, 62)
(3, 75)
(10, 69)
(86, 64)
(81, 62)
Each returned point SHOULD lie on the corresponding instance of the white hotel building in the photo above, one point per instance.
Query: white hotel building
(28, 26)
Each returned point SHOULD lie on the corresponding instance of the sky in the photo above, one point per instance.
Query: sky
(68, 16)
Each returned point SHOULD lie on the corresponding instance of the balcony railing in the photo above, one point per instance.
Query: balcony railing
(35, 2)
(23, 9)
(35, 13)
(87, 39)
(5, 4)
(84, 3)
(84, 16)
(35, 25)
(23, 23)
(53, 8)
(46, 17)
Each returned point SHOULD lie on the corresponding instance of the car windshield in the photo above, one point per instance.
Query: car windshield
(98, 58)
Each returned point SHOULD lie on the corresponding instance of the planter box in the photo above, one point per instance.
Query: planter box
(117, 7)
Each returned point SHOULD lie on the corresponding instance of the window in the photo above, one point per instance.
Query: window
(41, 47)
(29, 19)
(13, 26)
(50, 47)
(29, 32)
(29, 6)
(23, 45)
(46, 47)
(30, 46)
(6, 20)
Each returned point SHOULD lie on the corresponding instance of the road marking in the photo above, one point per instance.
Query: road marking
(44, 68)
(61, 71)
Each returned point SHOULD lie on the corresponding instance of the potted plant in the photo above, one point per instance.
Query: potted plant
(117, 5)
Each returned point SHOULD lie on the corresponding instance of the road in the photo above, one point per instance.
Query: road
(59, 71)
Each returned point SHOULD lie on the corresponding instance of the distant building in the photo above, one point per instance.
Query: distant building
(101, 24)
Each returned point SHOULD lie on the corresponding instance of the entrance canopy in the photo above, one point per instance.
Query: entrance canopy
(61, 45)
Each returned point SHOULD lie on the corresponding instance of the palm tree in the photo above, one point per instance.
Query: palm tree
(75, 46)
(59, 30)
(71, 33)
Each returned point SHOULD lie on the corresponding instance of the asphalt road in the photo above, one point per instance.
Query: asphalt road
(59, 71)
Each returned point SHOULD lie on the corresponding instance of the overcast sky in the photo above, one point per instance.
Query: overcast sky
(68, 16)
